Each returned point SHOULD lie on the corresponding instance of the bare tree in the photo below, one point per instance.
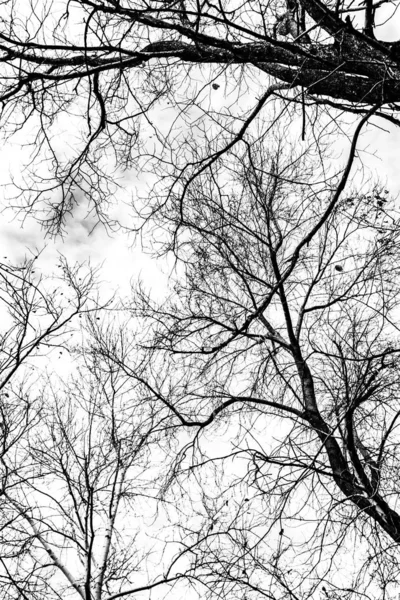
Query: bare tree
(39, 315)
(277, 354)
(90, 75)
(80, 506)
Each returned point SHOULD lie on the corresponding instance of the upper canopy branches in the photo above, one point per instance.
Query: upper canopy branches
(97, 75)
(330, 56)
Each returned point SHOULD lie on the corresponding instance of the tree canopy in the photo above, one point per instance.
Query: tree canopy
(237, 438)
(100, 71)
(234, 433)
